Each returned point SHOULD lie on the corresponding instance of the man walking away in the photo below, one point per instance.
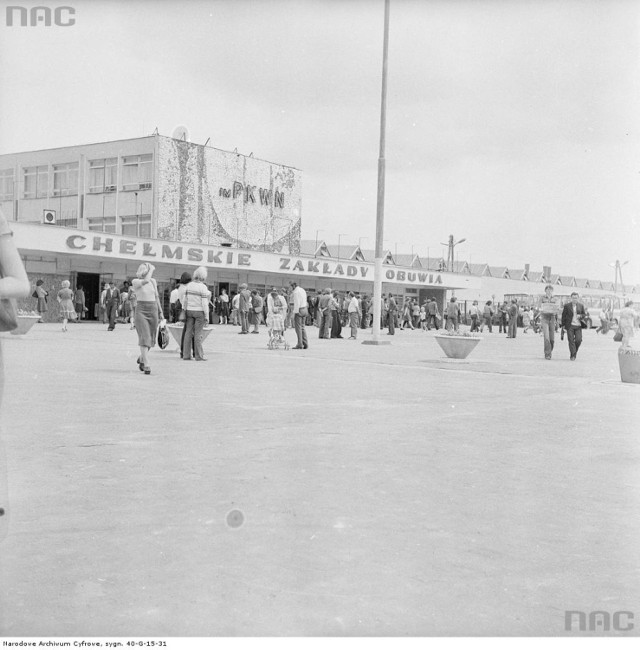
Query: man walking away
(432, 314)
(244, 304)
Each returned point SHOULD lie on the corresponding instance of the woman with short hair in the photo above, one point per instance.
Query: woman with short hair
(196, 306)
(148, 312)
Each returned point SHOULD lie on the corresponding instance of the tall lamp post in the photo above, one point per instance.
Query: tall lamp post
(452, 244)
(377, 274)
(618, 272)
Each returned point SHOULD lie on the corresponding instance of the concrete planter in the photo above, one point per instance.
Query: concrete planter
(457, 347)
(25, 323)
(176, 332)
(629, 360)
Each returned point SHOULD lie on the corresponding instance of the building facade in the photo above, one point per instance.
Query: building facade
(157, 187)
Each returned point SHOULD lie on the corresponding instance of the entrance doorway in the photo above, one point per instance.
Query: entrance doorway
(90, 282)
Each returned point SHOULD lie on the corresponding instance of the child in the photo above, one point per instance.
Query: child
(527, 316)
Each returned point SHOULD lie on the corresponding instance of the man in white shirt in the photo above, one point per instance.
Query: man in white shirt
(173, 300)
(353, 310)
(300, 311)
(474, 313)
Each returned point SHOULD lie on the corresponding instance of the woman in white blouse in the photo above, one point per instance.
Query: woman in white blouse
(196, 306)
(148, 312)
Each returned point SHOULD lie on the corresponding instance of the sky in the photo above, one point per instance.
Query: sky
(512, 124)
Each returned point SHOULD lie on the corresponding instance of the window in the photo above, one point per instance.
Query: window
(136, 172)
(6, 185)
(68, 219)
(103, 175)
(65, 179)
(103, 224)
(137, 225)
(36, 182)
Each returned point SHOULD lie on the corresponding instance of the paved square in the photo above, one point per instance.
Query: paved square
(342, 490)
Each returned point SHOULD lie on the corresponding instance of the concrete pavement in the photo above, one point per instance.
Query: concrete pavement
(382, 490)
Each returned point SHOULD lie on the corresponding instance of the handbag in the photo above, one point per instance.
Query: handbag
(8, 315)
(617, 337)
(163, 338)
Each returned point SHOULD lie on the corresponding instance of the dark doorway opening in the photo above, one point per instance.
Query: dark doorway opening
(90, 282)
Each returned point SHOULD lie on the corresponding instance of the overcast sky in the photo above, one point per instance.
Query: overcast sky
(515, 125)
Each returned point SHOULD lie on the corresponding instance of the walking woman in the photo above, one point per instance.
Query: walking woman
(65, 298)
(196, 306)
(148, 312)
(407, 312)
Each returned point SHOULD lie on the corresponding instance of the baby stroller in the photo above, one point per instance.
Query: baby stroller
(275, 323)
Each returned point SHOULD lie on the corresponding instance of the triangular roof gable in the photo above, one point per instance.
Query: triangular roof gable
(322, 250)
(388, 259)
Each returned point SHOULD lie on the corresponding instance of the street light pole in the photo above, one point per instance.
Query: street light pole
(451, 246)
(377, 274)
(618, 271)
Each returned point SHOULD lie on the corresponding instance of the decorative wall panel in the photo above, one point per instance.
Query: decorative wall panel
(210, 196)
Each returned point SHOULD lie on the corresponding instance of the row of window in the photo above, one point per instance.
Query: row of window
(132, 226)
(137, 172)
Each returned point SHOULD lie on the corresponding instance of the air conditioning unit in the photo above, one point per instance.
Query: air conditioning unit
(49, 216)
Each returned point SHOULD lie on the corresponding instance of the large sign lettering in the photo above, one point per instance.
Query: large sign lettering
(211, 256)
(248, 192)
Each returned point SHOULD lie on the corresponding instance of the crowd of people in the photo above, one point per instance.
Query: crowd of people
(336, 314)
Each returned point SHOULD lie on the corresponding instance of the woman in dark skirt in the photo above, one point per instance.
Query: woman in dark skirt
(148, 312)
(41, 295)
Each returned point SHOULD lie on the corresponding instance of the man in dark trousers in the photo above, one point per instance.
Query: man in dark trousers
(513, 319)
(503, 311)
(573, 320)
(393, 308)
(324, 314)
(432, 314)
(243, 309)
(112, 300)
